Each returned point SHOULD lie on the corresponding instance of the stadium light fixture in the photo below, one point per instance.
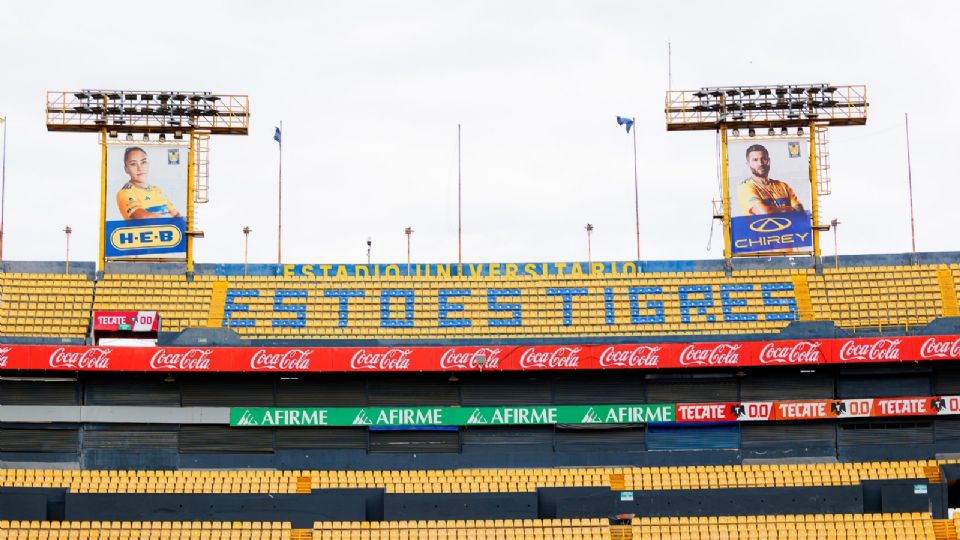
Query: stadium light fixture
(752, 132)
(369, 247)
(783, 131)
(163, 137)
(836, 257)
(589, 229)
(736, 132)
(146, 137)
(68, 230)
(771, 132)
(129, 137)
(800, 131)
(246, 238)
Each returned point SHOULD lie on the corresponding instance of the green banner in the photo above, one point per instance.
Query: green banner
(452, 416)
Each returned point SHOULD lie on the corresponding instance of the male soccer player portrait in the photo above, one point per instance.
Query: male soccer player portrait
(760, 194)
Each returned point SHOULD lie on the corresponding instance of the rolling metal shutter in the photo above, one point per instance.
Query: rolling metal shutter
(947, 429)
(691, 391)
(40, 439)
(414, 442)
(586, 390)
(880, 432)
(888, 385)
(692, 437)
(499, 392)
(39, 393)
(325, 437)
(326, 392)
(755, 435)
(132, 392)
(946, 382)
(624, 439)
(786, 385)
(122, 436)
(225, 439)
(230, 393)
(412, 393)
(513, 436)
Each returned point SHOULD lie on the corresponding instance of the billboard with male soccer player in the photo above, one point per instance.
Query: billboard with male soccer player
(770, 198)
(146, 204)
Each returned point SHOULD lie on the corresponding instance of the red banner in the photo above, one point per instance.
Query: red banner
(486, 358)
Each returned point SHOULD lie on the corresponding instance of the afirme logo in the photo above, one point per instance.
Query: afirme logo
(247, 419)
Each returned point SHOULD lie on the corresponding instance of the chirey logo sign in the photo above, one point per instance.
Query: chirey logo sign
(452, 416)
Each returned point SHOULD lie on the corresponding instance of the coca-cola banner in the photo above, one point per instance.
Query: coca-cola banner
(646, 413)
(480, 358)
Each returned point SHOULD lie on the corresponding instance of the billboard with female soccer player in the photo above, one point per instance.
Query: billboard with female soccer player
(146, 202)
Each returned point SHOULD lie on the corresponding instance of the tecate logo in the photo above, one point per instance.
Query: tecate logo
(391, 359)
(292, 360)
(724, 354)
(882, 350)
(193, 359)
(801, 352)
(93, 358)
(483, 358)
(933, 348)
(4, 351)
(639, 356)
(561, 357)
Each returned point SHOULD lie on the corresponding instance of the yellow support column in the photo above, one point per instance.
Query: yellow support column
(801, 291)
(190, 165)
(218, 302)
(103, 200)
(814, 211)
(948, 293)
(727, 248)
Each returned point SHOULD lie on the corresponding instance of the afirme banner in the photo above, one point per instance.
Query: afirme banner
(453, 416)
(652, 413)
(486, 358)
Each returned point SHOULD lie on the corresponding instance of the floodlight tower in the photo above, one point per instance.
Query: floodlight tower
(164, 115)
(771, 109)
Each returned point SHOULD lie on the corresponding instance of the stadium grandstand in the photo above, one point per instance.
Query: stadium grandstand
(689, 399)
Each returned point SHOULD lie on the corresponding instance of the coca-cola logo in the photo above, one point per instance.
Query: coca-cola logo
(723, 354)
(483, 358)
(391, 359)
(934, 348)
(92, 358)
(801, 352)
(561, 357)
(639, 356)
(289, 360)
(3, 356)
(192, 359)
(881, 350)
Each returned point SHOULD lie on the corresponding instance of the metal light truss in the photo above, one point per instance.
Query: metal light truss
(766, 106)
(147, 111)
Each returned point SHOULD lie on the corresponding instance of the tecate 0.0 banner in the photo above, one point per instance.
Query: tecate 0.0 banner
(770, 198)
(146, 204)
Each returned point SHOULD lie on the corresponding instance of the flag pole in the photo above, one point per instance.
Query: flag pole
(636, 187)
(913, 232)
(459, 203)
(280, 195)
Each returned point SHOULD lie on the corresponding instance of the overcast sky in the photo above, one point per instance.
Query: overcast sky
(370, 95)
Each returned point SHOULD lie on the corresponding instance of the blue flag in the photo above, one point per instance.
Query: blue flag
(626, 122)
(276, 134)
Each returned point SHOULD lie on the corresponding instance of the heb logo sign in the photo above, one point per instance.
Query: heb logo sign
(479, 359)
(801, 352)
(558, 358)
(645, 356)
(879, 350)
(145, 237)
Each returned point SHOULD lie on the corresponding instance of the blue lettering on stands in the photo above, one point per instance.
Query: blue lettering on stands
(344, 295)
(768, 300)
(608, 306)
(493, 305)
(701, 305)
(299, 309)
(445, 307)
(385, 296)
(567, 294)
(658, 316)
(230, 307)
(727, 303)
